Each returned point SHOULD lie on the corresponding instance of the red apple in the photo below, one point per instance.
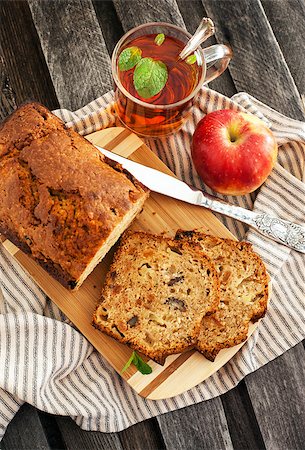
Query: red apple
(233, 152)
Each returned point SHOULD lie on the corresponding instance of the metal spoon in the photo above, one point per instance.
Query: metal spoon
(204, 31)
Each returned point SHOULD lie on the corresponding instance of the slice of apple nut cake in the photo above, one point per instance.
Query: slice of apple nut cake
(243, 291)
(156, 293)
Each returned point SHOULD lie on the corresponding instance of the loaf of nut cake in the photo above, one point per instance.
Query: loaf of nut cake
(61, 200)
(243, 291)
(156, 293)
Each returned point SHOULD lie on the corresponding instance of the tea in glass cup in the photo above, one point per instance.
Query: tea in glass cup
(154, 88)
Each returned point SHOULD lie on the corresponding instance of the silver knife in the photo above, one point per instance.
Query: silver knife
(287, 233)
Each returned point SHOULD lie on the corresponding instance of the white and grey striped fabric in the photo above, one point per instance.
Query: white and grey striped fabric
(46, 362)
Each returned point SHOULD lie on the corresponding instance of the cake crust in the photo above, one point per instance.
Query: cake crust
(61, 200)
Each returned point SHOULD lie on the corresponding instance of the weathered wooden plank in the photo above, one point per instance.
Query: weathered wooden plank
(258, 66)
(201, 426)
(242, 422)
(76, 439)
(287, 19)
(7, 95)
(25, 432)
(51, 430)
(26, 72)
(134, 13)
(144, 435)
(277, 396)
(109, 22)
(192, 13)
(74, 49)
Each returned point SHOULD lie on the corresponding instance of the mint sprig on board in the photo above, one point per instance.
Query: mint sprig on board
(129, 58)
(150, 77)
(141, 365)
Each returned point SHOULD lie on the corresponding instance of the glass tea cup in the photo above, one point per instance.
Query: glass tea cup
(164, 113)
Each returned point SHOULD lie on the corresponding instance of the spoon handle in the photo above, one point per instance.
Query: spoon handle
(204, 31)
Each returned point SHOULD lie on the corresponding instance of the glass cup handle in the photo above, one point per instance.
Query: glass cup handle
(217, 58)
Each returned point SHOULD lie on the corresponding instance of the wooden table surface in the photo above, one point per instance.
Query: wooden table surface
(58, 52)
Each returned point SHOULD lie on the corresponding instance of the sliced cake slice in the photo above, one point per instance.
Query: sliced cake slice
(156, 293)
(243, 291)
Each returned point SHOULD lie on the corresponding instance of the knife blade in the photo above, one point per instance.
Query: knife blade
(283, 231)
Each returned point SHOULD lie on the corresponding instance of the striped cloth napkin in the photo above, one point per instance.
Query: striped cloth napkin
(46, 362)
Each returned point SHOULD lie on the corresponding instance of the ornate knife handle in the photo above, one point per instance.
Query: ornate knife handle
(288, 233)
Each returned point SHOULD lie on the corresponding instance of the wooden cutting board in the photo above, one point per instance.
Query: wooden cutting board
(160, 214)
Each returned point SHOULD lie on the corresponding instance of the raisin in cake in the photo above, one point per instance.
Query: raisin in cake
(61, 200)
(156, 293)
(243, 291)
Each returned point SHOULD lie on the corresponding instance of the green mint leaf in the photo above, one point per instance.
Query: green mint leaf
(191, 59)
(129, 58)
(141, 365)
(129, 362)
(150, 77)
(159, 39)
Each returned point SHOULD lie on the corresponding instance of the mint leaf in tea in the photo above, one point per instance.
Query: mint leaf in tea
(129, 58)
(191, 59)
(159, 39)
(149, 77)
(149, 81)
